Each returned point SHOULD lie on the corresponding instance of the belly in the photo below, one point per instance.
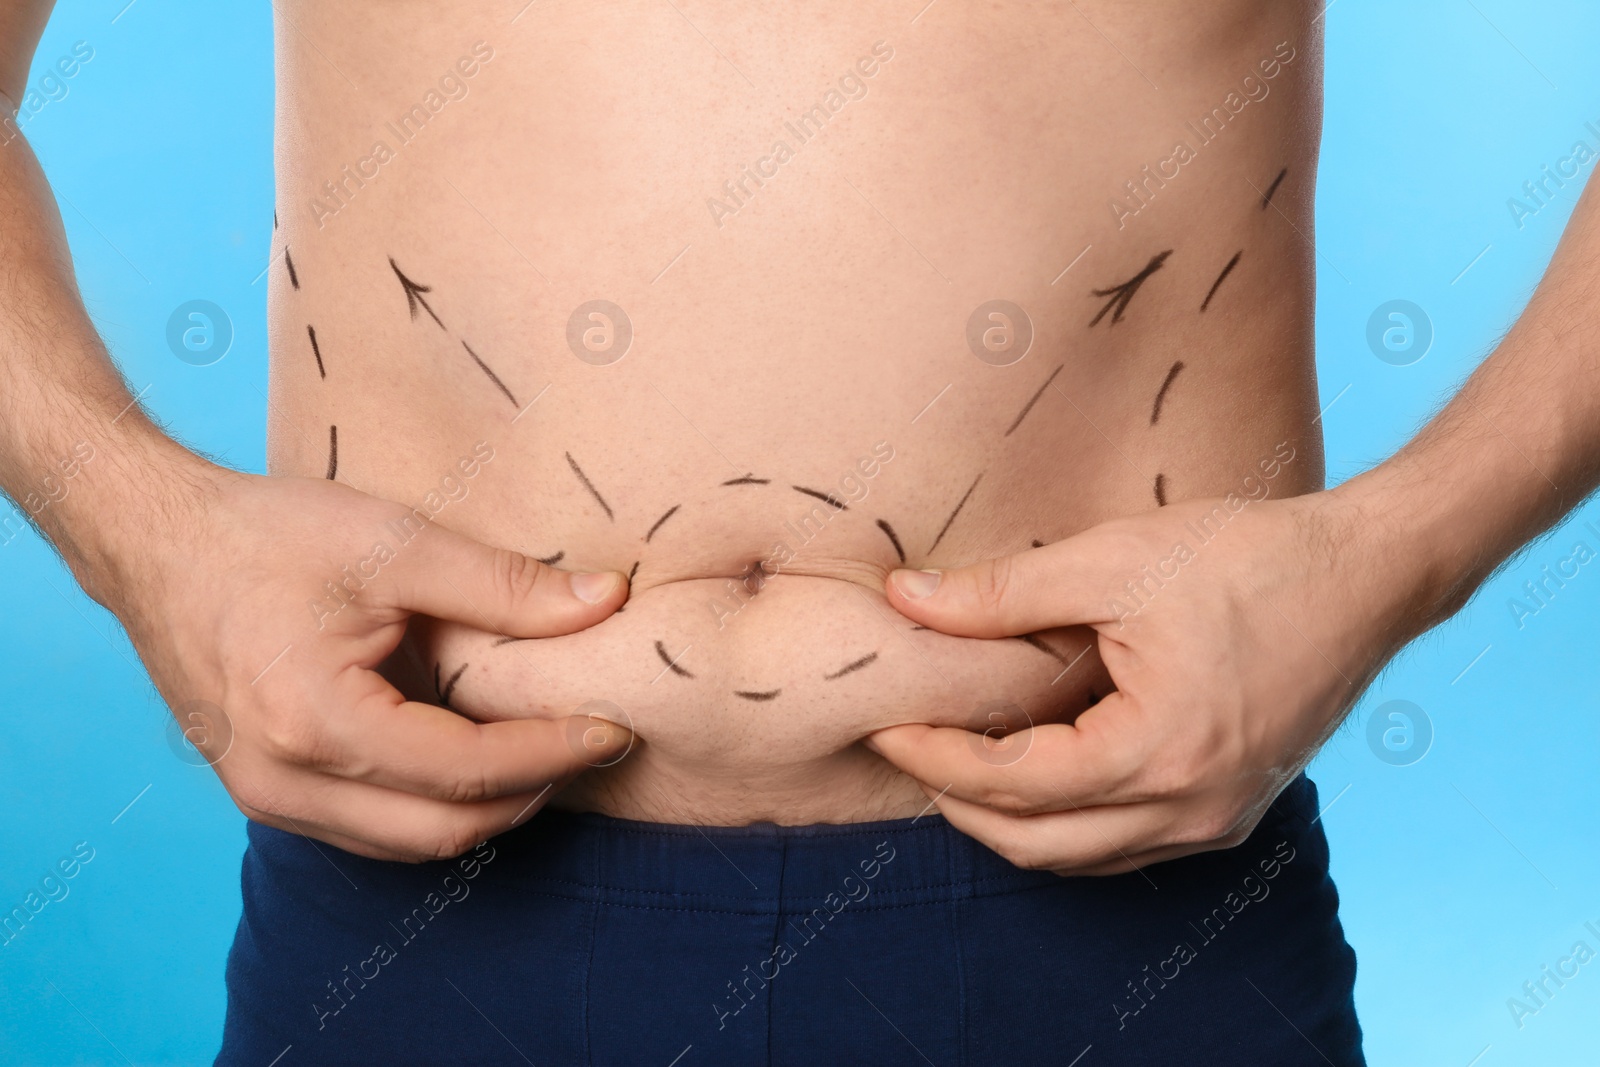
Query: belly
(758, 320)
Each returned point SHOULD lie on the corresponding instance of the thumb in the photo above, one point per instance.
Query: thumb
(1063, 584)
(448, 576)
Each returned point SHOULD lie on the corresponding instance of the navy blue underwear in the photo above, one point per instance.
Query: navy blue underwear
(582, 939)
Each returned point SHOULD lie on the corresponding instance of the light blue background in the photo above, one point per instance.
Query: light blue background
(1462, 874)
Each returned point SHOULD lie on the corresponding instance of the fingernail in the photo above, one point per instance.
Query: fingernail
(603, 738)
(595, 586)
(916, 585)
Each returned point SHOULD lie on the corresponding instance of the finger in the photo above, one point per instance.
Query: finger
(448, 576)
(1138, 861)
(386, 824)
(1064, 842)
(1096, 760)
(419, 748)
(1056, 585)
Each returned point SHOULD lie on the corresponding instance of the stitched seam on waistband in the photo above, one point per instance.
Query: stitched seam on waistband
(1016, 880)
(605, 901)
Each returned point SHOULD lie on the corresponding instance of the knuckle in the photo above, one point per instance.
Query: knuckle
(447, 841)
(1007, 800)
(293, 740)
(1175, 777)
(991, 584)
(1027, 858)
(1211, 827)
(466, 788)
(1021, 850)
(517, 576)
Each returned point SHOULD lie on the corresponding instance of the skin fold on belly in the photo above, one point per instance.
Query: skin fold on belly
(749, 692)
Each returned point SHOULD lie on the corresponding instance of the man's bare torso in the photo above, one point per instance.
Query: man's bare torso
(707, 293)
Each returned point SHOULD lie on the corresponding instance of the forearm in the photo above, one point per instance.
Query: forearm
(1514, 451)
(76, 451)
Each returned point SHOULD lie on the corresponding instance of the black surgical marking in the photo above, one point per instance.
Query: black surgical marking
(855, 665)
(274, 220)
(921, 627)
(828, 498)
(1034, 399)
(748, 479)
(508, 640)
(333, 451)
(961, 504)
(1033, 639)
(288, 261)
(450, 684)
(414, 294)
(1161, 394)
(551, 561)
(631, 573)
(311, 332)
(1121, 294)
(1266, 197)
(670, 512)
(661, 650)
(1161, 490)
(587, 484)
(1225, 271)
(893, 540)
(493, 377)
(748, 695)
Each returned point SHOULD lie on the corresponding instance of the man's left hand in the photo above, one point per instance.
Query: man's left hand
(1236, 638)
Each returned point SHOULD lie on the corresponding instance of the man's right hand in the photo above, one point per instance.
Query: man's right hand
(231, 606)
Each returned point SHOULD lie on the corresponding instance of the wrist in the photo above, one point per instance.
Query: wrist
(1405, 533)
(130, 499)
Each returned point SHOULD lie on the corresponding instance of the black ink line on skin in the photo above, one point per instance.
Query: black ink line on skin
(508, 640)
(449, 685)
(1266, 198)
(414, 294)
(333, 451)
(1161, 394)
(631, 573)
(1121, 294)
(893, 540)
(274, 220)
(748, 479)
(288, 261)
(661, 650)
(1033, 639)
(551, 561)
(1032, 401)
(920, 628)
(587, 484)
(961, 504)
(827, 498)
(670, 512)
(855, 665)
(1161, 490)
(493, 377)
(758, 697)
(311, 332)
(1234, 262)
